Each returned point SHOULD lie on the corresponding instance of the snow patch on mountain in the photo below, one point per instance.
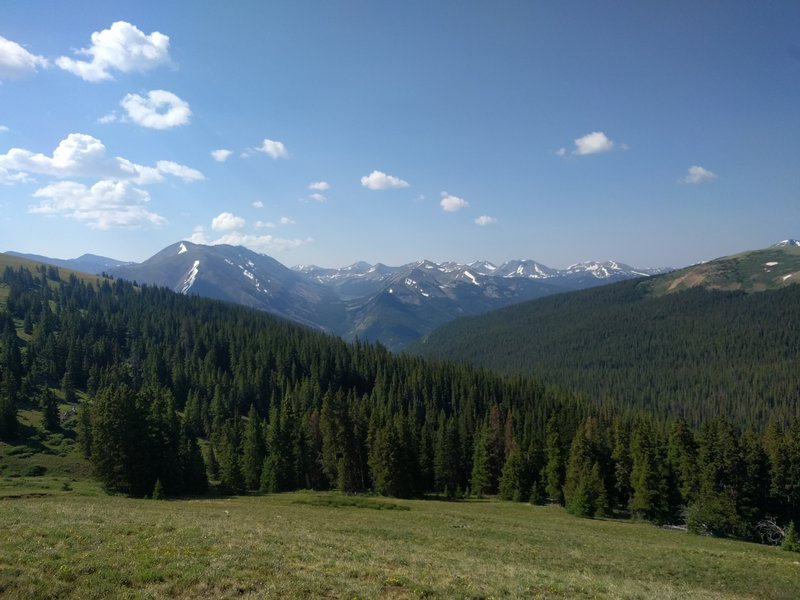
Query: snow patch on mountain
(191, 277)
(182, 248)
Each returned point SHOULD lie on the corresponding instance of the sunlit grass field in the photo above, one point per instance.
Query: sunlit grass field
(57, 543)
(61, 536)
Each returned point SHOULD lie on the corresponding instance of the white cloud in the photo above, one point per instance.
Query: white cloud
(199, 236)
(317, 197)
(271, 225)
(105, 205)
(226, 222)
(592, 143)
(17, 62)
(122, 47)
(274, 149)
(4, 129)
(450, 203)
(221, 155)
(81, 155)
(188, 174)
(261, 243)
(377, 180)
(7, 178)
(159, 110)
(258, 204)
(319, 186)
(698, 174)
(561, 152)
(109, 118)
(484, 220)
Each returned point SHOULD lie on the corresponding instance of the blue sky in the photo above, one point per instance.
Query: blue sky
(651, 133)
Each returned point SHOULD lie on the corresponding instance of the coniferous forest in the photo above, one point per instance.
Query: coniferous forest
(173, 393)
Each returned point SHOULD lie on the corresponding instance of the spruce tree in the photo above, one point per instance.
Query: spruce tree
(514, 481)
(50, 416)
(553, 473)
(791, 543)
(481, 480)
(252, 450)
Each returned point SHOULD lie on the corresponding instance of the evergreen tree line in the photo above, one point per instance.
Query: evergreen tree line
(276, 407)
(695, 354)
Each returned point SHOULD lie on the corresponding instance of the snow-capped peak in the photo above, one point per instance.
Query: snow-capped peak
(788, 243)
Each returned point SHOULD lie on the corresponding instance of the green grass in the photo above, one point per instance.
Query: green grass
(301, 545)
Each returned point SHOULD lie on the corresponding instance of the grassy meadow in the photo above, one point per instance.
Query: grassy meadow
(61, 536)
(57, 543)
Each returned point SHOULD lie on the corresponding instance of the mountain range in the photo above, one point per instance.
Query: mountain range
(88, 263)
(376, 302)
(680, 343)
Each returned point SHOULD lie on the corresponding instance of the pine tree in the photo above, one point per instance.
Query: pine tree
(514, 481)
(681, 453)
(252, 450)
(584, 487)
(621, 456)
(481, 480)
(229, 456)
(446, 461)
(791, 543)
(553, 473)
(158, 491)
(50, 416)
(193, 467)
(648, 485)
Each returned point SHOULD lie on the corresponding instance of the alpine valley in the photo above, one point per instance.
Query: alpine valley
(392, 305)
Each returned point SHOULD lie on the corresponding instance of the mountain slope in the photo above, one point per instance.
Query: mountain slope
(236, 274)
(656, 343)
(753, 271)
(87, 263)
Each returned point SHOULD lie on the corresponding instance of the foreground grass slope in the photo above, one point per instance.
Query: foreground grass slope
(299, 545)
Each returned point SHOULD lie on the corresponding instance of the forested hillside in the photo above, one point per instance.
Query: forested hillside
(172, 392)
(696, 353)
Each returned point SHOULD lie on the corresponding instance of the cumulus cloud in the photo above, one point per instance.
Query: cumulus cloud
(265, 224)
(159, 110)
(4, 129)
(273, 148)
(450, 203)
(258, 204)
(698, 174)
(226, 222)
(109, 118)
(220, 155)
(122, 47)
(286, 221)
(16, 62)
(378, 180)
(485, 220)
(81, 155)
(7, 178)
(319, 186)
(199, 236)
(317, 197)
(105, 205)
(188, 174)
(261, 243)
(591, 143)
